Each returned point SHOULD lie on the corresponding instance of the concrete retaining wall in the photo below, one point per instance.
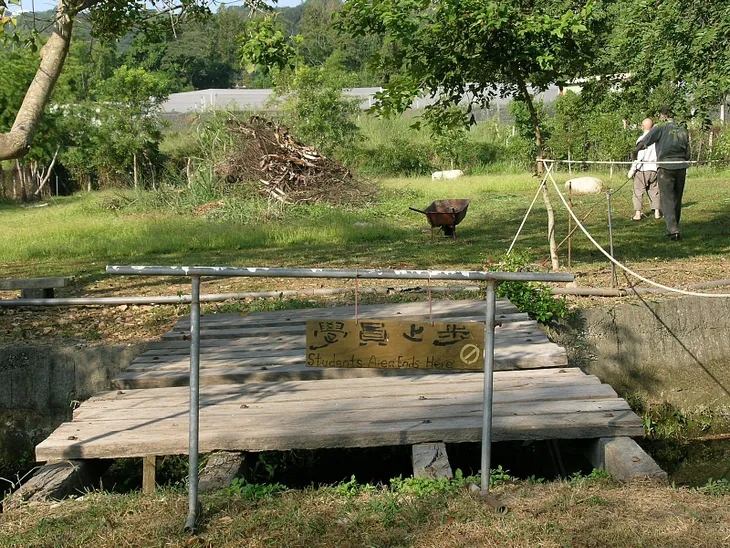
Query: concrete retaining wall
(675, 350)
(39, 387)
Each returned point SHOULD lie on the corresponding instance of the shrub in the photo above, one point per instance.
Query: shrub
(316, 109)
(399, 157)
(534, 298)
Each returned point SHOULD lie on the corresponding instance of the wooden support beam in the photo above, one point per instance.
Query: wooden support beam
(149, 467)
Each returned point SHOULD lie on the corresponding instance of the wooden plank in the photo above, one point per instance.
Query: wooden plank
(514, 355)
(294, 414)
(271, 373)
(527, 393)
(447, 307)
(149, 467)
(237, 333)
(256, 321)
(159, 439)
(503, 343)
(581, 388)
(35, 283)
(567, 374)
(285, 373)
(225, 332)
(271, 349)
(353, 410)
(459, 381)
(244, 342)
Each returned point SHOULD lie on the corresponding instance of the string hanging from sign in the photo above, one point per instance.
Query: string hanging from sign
(430, 300)
(356, 295)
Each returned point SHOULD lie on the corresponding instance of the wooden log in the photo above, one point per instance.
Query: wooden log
(56, 480)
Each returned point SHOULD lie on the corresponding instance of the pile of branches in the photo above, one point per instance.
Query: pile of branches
(283, 169)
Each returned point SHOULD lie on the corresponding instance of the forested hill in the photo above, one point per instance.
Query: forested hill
(205, 54)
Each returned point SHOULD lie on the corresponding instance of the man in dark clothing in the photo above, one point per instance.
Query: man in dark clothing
(673, 154)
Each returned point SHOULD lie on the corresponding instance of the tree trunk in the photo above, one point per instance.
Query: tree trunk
(47, 175)
(134, 164)
(20, 180)
(551, 228)
(16, 142)
(527, 98)
(33, 176)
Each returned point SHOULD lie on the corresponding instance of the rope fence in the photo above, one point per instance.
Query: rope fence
(622, 163)
(548, 166)
(618, 263)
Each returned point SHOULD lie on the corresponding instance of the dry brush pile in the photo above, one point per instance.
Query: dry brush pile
(284, 169)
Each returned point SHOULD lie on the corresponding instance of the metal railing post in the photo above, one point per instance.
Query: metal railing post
(610, 237)
(488, 387)
(194, 406)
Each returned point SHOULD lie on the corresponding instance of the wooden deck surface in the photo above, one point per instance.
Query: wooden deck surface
(258, 395)
(270, 346)
(363, 412)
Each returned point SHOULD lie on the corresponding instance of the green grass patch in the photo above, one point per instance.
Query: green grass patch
(547, 514)
(82, 233)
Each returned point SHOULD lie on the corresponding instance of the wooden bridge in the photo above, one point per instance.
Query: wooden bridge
(257, 393)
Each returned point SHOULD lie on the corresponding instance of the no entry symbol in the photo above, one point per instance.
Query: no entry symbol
(470, 354)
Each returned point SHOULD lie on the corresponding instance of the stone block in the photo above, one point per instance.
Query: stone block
(624, 459)
(431, 461)
(220, 470)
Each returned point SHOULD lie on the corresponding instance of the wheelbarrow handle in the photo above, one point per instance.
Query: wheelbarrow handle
(418, 210)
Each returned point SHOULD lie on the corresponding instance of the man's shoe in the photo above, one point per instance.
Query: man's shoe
(675, 237)
(657, 214)
(636, 217)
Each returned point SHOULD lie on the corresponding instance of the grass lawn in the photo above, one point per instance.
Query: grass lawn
(580, 512)
(78, 236)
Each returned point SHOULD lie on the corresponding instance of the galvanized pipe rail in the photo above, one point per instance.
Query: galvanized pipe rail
(195, 272)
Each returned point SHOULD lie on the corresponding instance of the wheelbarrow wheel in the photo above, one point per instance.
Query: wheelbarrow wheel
(449, 230)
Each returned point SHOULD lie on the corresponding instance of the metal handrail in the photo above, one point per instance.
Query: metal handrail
(259, 272)
(195, 273)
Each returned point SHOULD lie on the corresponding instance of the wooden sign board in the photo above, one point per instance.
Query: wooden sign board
(391, 344)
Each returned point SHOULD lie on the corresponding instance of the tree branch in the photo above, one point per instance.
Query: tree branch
(47, 175)
(16, 143)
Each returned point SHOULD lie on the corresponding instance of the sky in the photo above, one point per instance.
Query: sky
(43, 5)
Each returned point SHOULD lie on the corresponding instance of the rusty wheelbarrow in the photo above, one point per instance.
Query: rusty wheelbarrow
(445, 214)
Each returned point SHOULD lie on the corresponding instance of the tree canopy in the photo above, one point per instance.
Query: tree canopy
(473, 48)
(673, 51)
(632, 55)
